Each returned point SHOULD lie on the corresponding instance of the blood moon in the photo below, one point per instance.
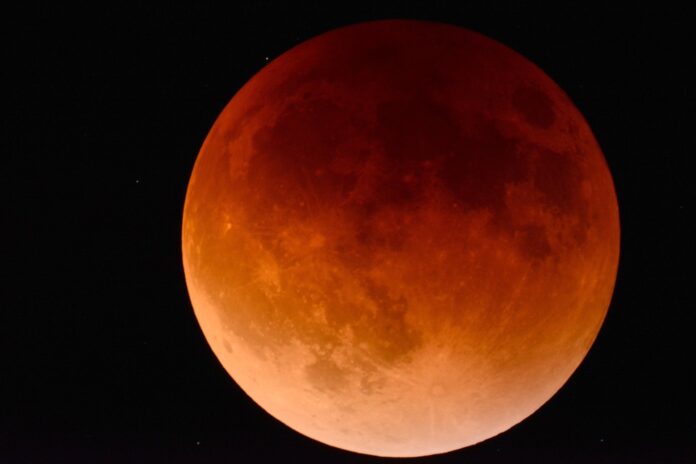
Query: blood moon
(400, 238)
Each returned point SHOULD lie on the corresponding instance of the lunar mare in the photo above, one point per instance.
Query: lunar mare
(400, 238)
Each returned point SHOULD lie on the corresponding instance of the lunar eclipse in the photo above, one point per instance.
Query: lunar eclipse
(400, 238)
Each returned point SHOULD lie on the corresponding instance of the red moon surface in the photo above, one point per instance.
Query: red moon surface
(400, 238)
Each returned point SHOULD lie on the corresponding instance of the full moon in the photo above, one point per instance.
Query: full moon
(400, 238)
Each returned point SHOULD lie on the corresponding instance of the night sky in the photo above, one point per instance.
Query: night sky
(105, 109)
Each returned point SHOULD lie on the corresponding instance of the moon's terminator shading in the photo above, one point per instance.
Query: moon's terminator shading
(400, 238)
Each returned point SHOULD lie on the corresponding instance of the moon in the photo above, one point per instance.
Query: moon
(400, 238)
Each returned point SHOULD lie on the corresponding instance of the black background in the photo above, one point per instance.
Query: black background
(104, 110)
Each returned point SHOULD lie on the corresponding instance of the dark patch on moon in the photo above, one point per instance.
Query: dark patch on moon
(325, 374)
(372, 232)
(535, 106)
(393, 338)
(481, 165)
(533, 242)
(293, 154)
(558, 177)
(413, 130)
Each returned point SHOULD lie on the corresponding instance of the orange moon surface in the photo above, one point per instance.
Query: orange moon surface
(400, 238)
